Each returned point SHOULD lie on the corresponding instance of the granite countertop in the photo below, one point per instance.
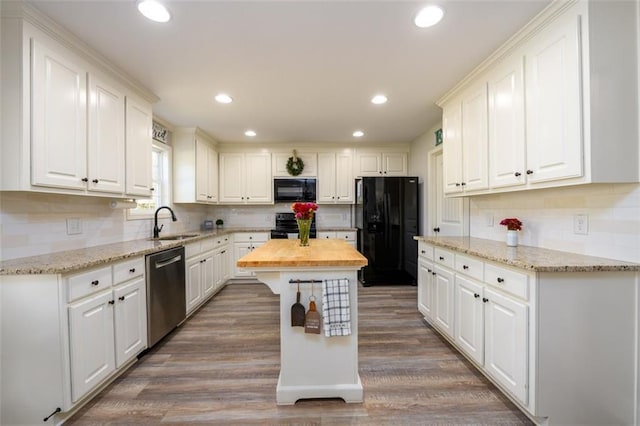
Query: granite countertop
(74, 260)
(530, 258)
(289, 253)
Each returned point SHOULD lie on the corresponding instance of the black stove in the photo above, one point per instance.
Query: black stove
(287, 226)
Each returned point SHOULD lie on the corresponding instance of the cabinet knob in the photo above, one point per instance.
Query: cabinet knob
(457, 184)
(95, 282)
(152, 189)
(111, 302)
(223, 252)
(485, 300)
(379, 171)
(132, 270)
(121, 298)
(500, 280)
(95, 181)
(422, 251)
(441, 258)
(436, 229)
(465, 267)
(429, 270)
(476, 295)
(433, 273)
(529, 172)
(463, 183)
(516, 174)
(85, 179)
(247, 198)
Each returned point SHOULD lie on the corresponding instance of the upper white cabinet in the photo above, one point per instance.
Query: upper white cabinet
(466, 148)
(310, 160)
(561, 105)
(71, 124)
(245, 178)
(372, 163)
(335, 177)
(195, 167)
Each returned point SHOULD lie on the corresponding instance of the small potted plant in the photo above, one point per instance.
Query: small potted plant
(219, 223)
(513, 226)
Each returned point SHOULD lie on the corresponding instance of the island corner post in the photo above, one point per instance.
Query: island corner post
(311, 365)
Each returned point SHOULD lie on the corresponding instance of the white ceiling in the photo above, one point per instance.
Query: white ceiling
(299, 71)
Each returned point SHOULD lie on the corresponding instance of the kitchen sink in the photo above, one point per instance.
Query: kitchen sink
(177, 237)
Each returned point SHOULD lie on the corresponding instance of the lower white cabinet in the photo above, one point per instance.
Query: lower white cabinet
(469, 333)
(206, 269)
(443, 294)
(425, 287)
(348, 236)
(130, 320)
(244, 243)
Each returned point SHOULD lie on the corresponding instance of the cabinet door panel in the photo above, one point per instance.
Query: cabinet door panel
(259, 185)
(208, 274)
(326, 184)
(194, 283)
(344, 178)
(212, 157)
(506, 336)
(59, 120)
(506, 125)
(443, 300)
(138, 147)
(239, 250)
(425, 288)
(554, 126)
(106, 137)
(232, 178)
(469, 318)
(202, 171)
(394, 164)
(475, 143)
(91, 342)
(368, 164)
(130, 320)
(452, 148)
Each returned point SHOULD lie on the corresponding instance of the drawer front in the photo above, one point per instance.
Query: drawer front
(507, 280)
(425, 250)
(192, 249)
(248, 237)
(85, 283)
(470, 266)
(325, 235)
(346, 235)
(124, 271)
(219, 241)
(444, 257)
(208, 244)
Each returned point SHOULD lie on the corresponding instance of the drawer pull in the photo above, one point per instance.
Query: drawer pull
(500, 280)
(132, 270)
(121, 298)
(485, 300)
(476, 295)
(95, 282)
(517, 174)
(441, 258)
(465, 267)
(111, 302)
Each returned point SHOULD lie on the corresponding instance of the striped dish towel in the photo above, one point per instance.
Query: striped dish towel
(336, 311)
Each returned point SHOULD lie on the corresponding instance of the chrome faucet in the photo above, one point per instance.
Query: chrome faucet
(156, 230)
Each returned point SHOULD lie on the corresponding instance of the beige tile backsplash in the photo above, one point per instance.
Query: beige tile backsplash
(547, 215)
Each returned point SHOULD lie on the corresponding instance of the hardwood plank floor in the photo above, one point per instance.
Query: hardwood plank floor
(221, 367)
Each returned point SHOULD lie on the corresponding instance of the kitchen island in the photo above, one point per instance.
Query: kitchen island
(311, 365)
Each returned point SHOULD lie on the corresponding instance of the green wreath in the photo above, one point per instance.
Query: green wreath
(295, 165)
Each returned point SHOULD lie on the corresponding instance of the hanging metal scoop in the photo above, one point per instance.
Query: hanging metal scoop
(297, 311)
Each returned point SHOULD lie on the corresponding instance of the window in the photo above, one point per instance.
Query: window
(161, 179)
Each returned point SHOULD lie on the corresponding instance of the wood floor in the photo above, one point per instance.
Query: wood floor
(221, 367)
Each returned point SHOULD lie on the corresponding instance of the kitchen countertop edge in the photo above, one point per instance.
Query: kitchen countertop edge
(530, 258)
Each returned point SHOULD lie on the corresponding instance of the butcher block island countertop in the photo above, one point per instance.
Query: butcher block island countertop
(289, 253)
(313, 365)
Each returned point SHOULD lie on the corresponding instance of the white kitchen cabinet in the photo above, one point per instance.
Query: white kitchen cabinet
(74, 124)
(245, 178)
(59, 119)
(550, 118)
(506, 124)
(425, 287)
(443, 300)
(244, 243)
(106, 145)
(130, 320)
(139, 123)
(204, 270)
(469, 334)
(193, 280)
(373, 163)
(310, 160)
(335, 178)
(91, 342)
(195, 167)
(348, 236)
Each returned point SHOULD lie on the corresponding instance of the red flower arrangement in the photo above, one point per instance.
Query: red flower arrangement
(512, 224)
(304, 210)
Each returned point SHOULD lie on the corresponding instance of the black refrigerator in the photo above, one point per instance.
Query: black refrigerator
(386, 215)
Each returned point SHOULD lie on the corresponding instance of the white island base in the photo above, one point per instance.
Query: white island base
(312, 365)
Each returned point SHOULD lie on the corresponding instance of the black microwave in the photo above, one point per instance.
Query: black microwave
(286, 190)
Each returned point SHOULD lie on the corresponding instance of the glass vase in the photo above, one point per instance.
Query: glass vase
(304, 227)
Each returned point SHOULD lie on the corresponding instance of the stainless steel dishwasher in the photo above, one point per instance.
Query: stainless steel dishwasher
(166, 302)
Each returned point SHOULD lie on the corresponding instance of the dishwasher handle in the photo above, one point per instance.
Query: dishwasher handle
(168, 262)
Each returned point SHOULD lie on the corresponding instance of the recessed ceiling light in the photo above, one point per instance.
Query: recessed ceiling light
(250, 133)
(429, 16)
(379, 99)
(223, 98)
(153, 10)
(358, 134)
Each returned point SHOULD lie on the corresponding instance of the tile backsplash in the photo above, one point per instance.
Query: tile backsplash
(612, 210)
(35, 223)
